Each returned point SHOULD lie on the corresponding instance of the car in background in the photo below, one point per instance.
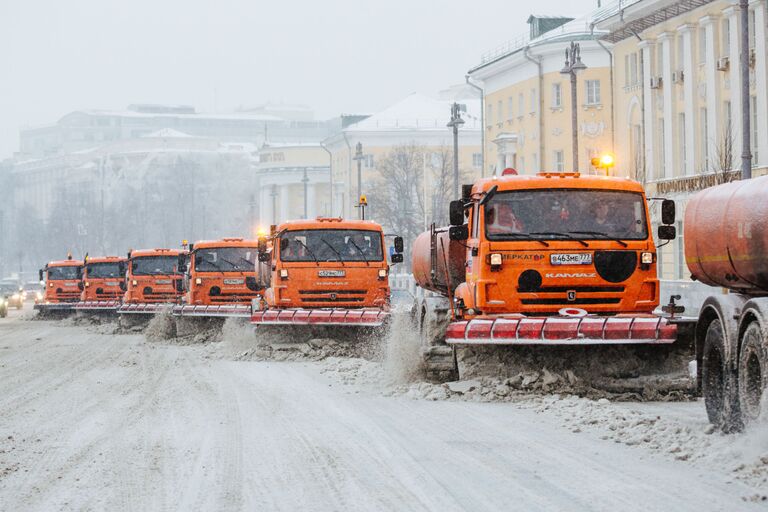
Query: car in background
(3, 307)
(12, 293)
(33, 290)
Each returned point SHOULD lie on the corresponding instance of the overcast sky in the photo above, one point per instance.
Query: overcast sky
(337, 56)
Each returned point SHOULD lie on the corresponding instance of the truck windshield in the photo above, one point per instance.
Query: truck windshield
(61, 273)
(331, 245)
(103, 270)
(566, 213)
(152, 265)
(225, 259)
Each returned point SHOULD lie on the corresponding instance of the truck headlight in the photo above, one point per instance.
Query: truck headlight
(283, 273)
(495, 261)
(198, 280)
(87, 284)
(134, 282)
(15, 296)
(382, 273)
(646, 258)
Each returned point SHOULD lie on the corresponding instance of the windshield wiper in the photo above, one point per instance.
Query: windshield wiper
(604, 235)
(308, 250)
(521, 235)
(566, 235)
(360, 251)
(338, 254)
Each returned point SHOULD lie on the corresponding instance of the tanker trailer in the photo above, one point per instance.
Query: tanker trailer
(726, 238)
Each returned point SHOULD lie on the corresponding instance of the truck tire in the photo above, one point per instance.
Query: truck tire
(719, 383)
(753, 371)
(439, 359)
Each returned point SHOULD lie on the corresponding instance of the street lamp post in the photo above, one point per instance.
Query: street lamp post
(455, 122)
(572, 66)
(305, 181)
(359, 159)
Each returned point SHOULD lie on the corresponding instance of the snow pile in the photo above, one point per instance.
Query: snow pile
(161, 326)
(402, 351)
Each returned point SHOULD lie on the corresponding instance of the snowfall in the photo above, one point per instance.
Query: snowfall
(98, 417)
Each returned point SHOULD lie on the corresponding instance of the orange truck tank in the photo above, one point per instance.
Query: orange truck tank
(327, 271)
(153, 278)
(62, 282)
(220, 279)
(726, 236)
(103, 284)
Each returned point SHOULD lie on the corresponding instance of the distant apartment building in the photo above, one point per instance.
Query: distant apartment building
(528, 101)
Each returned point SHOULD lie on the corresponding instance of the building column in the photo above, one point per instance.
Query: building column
(689, 100)
(648, 111)
(669, 105)
(734, 79)
(311, 201)
(714, 138)
(265, 205)
(761, 82)
(284, 199)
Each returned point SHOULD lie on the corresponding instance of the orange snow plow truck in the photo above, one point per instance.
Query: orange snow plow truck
(556, 259)
(220, 279)
(153, 280)
(325, 272)
(103, 284)
(62, 281)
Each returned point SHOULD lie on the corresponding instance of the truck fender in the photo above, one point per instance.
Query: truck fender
(464, 293)
(727, 309)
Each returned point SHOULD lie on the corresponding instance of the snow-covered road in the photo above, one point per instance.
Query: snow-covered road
(91, 421)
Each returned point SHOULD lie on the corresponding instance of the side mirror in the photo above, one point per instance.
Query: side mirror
(396, 258)
(458, 232)
(262, 245)
(456, 213)
(264, 256)
(123, 266)
(668, 212)
(181, 264)
(40, 273)
(399, 245)
(667, 232)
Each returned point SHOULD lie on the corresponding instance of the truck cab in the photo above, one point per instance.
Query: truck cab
(153, 276)
(103, 278)
(329, 263)
(539, 244)
(221, 272)
(62, 281)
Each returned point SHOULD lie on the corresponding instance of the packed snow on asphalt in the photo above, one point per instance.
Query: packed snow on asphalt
(97, 419)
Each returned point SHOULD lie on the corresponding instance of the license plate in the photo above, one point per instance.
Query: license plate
(163, 281)
(581, 258)
(331, 273)
(70, 284)
(234, 281)
(111, 283)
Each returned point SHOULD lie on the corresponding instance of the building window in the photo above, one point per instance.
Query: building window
(751, 28)
(477, 160)
(681, 136)
(522, 165)
(753, 123)
(557, 96)
(660, 58)
(630, 70)
(725, 30)
(535, 162)
(559, 158)
(533, 101)
(500, 113)
(662, 150)
(593, 92)
(680, 51)
(520, 104)
(489, 115)
(704, 140)
(368, 161)
(681, 267)
(510, 105)
(702, 45)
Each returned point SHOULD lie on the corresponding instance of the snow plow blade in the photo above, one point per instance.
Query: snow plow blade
(104, 306)
(366, 317)
(59, 306)
(142, 309)
(222, 311)
(558, 330)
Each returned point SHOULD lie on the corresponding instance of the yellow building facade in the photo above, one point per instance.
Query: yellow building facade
(528, 104)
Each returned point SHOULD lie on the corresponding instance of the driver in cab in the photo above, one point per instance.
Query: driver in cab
(502, 219)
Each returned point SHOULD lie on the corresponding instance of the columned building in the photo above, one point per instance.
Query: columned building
(678, 98)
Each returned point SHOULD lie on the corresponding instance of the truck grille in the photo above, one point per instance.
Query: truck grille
(332, 296)
(559, 295)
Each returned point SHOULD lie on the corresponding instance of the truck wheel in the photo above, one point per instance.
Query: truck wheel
(719, 384)
(753, 371)
(438, 358)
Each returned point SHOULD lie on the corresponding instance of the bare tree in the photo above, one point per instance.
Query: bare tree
(721, 165)
(440, 183)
